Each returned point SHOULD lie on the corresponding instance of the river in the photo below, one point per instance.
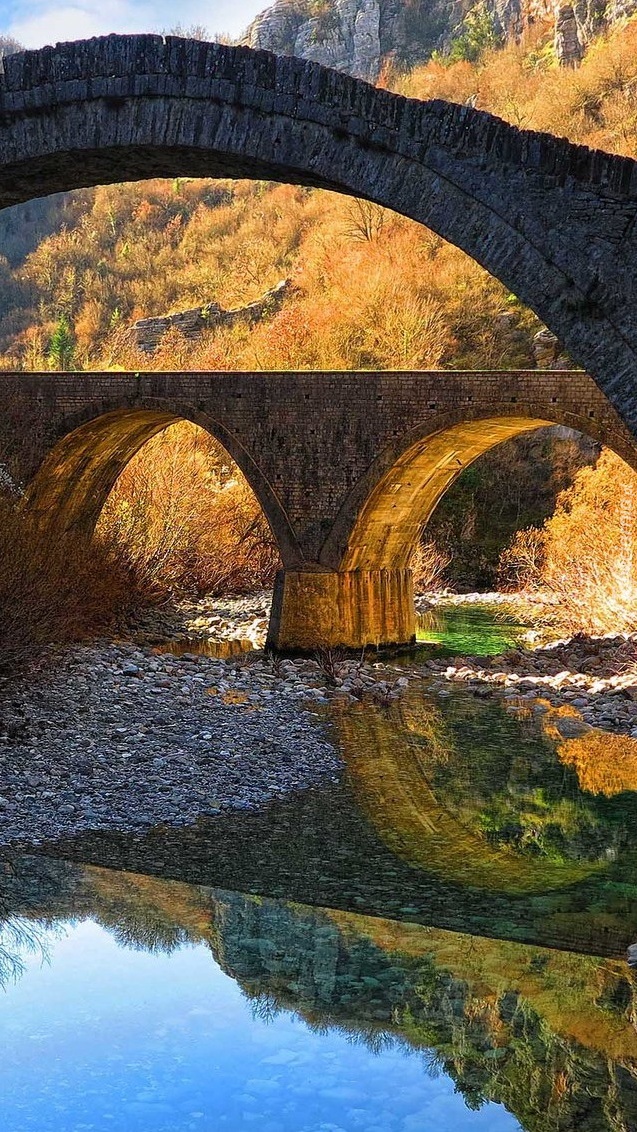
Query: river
(435, 938)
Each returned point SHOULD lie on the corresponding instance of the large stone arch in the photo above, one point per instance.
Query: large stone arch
(555, 222)
(93, 448)
(361, 591)
(381, 521)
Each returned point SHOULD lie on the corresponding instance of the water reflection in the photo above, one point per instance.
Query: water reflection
(460, 902)
(604, 764)
(549, 1035)
(452, 813)
(218, 649)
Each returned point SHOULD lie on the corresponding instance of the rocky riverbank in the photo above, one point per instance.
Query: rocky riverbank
(125, 735)
(120, 736)
(594, 677)
(240, 620)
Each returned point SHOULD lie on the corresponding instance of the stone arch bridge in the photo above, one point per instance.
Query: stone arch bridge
(555, 222)
(347, 466)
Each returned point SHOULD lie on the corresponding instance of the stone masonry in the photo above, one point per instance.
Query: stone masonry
(555, 222)
(347, 466)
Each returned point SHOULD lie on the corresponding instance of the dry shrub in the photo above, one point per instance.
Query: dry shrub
(372, 289)
(53, 589)
(522, 561)
(428, 566)
(182, 519)
(586, 553)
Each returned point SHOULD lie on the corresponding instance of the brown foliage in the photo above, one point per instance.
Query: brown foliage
(53, 589)
(428, 566)
(372, 290)
(182, 519)
(605, 764)
(594, 105)
(586, 553)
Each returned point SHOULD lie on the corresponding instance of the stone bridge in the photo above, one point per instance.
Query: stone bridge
(347, 467)
(555, 222)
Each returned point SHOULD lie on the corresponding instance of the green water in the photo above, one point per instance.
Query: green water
(469, 630)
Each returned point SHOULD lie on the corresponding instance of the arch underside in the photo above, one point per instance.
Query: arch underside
(73, 484)
(74, 481)
(391, 521)
(556, 223)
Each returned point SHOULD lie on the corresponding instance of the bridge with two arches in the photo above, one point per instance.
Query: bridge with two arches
(347, 467)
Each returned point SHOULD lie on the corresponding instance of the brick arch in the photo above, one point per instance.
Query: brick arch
(379, 525)
(93, 447)
(556, 222)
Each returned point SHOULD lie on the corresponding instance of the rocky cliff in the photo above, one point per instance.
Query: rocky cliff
(147, 333)
(355, 36)
(361, 36)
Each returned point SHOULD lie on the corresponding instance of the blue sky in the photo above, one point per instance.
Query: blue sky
(37, 22)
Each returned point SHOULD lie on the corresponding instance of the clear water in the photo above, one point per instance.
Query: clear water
(436, 941)
(469, 630)
(104, 1036)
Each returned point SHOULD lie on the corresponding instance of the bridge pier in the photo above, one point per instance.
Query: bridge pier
(350, 609)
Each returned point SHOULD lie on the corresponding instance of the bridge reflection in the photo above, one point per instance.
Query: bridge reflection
(454, 815)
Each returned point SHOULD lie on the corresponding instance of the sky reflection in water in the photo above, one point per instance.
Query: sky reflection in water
(105, 1037)
(460, 901)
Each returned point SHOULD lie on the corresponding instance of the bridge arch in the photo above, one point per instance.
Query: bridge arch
(75, 479)
(380, 523)
(555, 222)
(360, 592)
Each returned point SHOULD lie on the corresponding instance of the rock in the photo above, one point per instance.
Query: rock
(361, 36)
(568, 47)
(355, 36)
(571, 728)
(147, 333)
(546, 349)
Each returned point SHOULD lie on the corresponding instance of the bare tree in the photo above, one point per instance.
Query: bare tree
(366, 220)
(9, 46)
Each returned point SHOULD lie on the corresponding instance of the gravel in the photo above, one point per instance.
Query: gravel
(123, 735)
(119, 738)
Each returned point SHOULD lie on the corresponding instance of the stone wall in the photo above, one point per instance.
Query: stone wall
(147, 333)
(314, 446)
